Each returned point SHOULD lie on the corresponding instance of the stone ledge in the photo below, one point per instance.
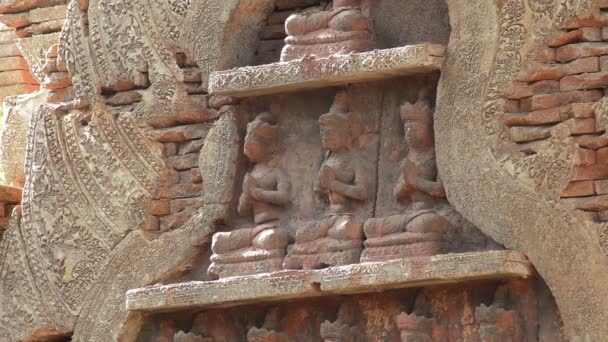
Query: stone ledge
(358, 278)
(311, 73)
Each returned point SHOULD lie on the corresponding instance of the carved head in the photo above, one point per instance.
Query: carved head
(347, 3)
(261, 138)
(418, 124)
(338, 127)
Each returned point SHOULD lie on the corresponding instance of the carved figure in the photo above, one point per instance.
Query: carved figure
(269, 332)
(265, 195)
(328, 30)
(420, 230)
(496, 323)
(336, 239)
(344, 328)
(415, 328)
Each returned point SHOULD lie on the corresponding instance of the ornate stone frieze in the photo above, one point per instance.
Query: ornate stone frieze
(311, 73)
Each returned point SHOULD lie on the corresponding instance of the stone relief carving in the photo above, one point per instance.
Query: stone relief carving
(344, 328)
(339, 28)
(266, 191)
(420, 230)
(342, 181)
(270, 331)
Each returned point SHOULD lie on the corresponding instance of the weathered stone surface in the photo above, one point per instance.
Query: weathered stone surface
(416, 272)
(310, 73)
(17, 111)
(34, 50)
(475, 155)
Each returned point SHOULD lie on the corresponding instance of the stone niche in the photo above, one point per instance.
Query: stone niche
(340, 229)
(490, 310)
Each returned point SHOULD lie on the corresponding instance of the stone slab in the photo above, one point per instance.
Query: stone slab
(312, 73)
(358, 278)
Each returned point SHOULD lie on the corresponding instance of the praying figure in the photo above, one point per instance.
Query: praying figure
(265, 195)
(340, 28)
(420, 230)
(342, 180)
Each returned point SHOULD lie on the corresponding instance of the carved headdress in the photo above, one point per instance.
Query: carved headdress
(340, 118)
(263, 129)
(419, 112)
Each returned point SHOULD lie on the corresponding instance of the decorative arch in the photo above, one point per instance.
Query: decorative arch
(490, 43)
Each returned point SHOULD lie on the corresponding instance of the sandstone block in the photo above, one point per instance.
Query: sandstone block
(605, 33)
(183, 204)
(9, 50)
(593, 203)
(511, 106)
(602, 155)
(16, 77)
(596, 19)
(39, 15)
(16, 20)
(536, 118)
(181, 191)
(14, 6)
(40, 28)
(16, 89)
(586, 156)
(159, 207)
(174, 221)
(584, 81)
(580, 50)
(543, 71)
(525, 134)
(192, 146)
(602, 216)
(10, 195)
(180, 133)
(184, 162)
(578, 189)
(545, 54)
(583, 34)
(7, 37)
(125, 98)
(545, 101)
(523, 89)
(582, 110)
(591, 172)
(152, 223)
(196, 176)
(583, 126)
(601, 186)
(13, 63)
(604, 63)
(170, 149)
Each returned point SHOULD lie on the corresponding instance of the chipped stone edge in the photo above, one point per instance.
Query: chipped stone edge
(350, 279)
(312, 73)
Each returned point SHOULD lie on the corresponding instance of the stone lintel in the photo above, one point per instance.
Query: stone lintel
(350, 279)
(312, 73)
